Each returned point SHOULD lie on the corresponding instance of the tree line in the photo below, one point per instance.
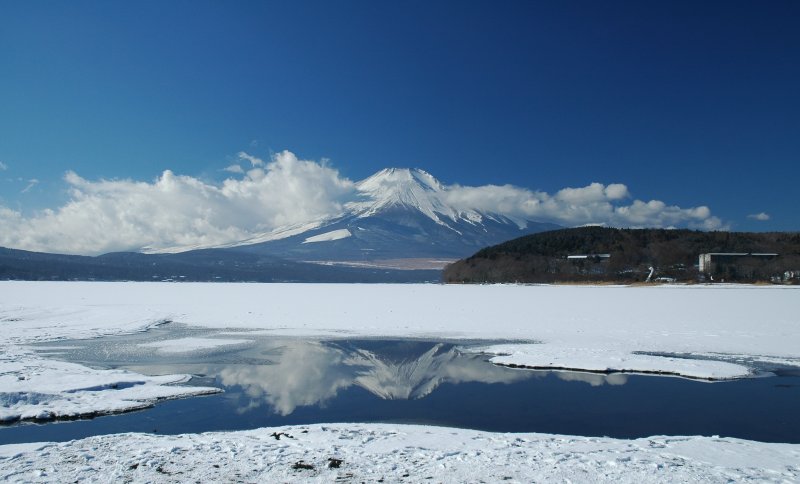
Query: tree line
(673, 254)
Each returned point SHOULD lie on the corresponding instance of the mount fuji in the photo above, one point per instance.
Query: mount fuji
(399, 218)
(397, 226)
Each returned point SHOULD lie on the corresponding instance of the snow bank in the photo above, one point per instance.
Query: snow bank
(546, 356)
(394, 453)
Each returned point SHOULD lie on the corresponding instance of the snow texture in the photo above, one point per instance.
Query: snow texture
(329, 236)
(397, 453)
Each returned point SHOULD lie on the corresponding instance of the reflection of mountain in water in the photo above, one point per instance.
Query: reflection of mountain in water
(412, 378)
(417, 376)
(310, 373)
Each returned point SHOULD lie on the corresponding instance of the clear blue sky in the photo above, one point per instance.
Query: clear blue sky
(693, 103)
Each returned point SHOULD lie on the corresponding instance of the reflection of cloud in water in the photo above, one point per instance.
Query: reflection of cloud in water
(305, 374)
(593, 379)
(310, 373)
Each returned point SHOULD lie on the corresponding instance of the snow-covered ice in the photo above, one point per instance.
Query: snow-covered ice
(606, 360)
(722, 329)
(397, 453)
(590, 327)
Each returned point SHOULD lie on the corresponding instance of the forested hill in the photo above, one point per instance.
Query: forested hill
(543, 257)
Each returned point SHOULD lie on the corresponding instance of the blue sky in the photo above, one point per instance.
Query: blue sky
(692, 103)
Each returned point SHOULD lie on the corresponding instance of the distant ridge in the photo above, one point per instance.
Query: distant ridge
(194, 266)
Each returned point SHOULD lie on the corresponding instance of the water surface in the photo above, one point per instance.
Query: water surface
(270, 381)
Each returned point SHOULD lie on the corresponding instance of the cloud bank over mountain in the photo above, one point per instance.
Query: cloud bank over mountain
(261, 196)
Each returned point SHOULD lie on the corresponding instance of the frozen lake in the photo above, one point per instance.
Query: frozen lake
(389, 356)
(272, 381)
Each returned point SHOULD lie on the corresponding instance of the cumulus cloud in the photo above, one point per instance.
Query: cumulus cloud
(182, 211)
(595, 204)
(305, 374)
(116, 215)
(761, 217)
(3, 166)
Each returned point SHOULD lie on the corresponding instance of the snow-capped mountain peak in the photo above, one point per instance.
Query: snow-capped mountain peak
(403, 187)
(389, 178)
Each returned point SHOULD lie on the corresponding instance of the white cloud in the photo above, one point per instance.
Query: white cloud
(595, 204)
(762, 217)
(114, 215)
(31, 183)
(252, 159)
(305, 374)
(3, 166)
(183, 211)
(234, 169)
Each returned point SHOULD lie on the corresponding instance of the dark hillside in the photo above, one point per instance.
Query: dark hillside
(673, 254)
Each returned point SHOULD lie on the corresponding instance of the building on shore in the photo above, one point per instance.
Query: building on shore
(712, 263)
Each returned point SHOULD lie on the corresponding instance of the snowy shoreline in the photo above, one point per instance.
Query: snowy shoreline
(397, 453)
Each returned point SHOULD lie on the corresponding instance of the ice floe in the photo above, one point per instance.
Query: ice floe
(32, 387)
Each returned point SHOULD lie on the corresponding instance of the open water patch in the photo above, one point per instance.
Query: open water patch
(272, 381)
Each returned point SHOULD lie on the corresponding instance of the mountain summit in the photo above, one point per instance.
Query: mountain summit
(410, 188)
(395, 216)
